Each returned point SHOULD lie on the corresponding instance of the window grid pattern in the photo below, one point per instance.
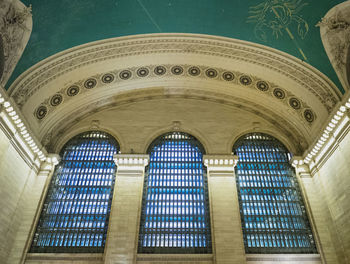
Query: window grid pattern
(74, 218)
(175, 210)
(273, 214)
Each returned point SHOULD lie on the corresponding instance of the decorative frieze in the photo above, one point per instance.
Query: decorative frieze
(49, 105)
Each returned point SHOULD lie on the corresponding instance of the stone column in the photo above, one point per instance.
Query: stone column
(29, 208)
(318, 212)
(228, 246)
(121, 246)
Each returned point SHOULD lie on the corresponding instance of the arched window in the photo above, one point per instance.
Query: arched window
(273, 214)
(74, 218)
(175, 207)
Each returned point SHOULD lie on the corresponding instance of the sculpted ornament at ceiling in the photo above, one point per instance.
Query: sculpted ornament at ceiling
(15, 29)
(335, 33)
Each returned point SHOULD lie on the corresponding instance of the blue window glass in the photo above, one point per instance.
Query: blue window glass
(74, 218)
(175, 208)
(273, 213)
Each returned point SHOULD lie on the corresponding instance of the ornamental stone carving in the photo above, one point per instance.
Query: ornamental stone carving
(202, 71)
(15, 29)
(233, 50)
(335, 34)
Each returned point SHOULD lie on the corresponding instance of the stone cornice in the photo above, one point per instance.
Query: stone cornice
(20, 136)
(330, 147)
(337, 128)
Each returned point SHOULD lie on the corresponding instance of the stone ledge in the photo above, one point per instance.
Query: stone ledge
(90, 257)
(285, 258)
(175, 257)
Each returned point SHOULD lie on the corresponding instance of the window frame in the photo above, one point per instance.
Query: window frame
(113, 147)
(295, 187)
(176, 250)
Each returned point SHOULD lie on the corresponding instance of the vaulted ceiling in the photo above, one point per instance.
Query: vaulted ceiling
(225, 67)
(286, 25)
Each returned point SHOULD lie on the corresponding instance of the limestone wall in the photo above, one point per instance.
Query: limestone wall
(333, 182)
(14, 175)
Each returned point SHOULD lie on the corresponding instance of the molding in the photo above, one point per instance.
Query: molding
(32, 153)
(333, 143)
(220, 165)
(48, 166)
(17, 131)
(337, 128)
(88, 257)
(62, 123)
(72, 91)
(287, 258)
(301, 168)
(17, 142)
(131, 164)
(45, 72)
(174, 257)
(180, 128)
(220, 161)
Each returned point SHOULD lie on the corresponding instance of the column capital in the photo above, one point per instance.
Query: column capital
(302, 168)
(53, 159)
(131, 162)
(220, 165)
(49, 164)
(221, 161)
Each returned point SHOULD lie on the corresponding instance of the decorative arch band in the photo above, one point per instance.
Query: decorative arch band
(176, 71)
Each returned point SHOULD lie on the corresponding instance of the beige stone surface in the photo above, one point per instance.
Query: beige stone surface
(226, 226)
(122, 237)
(283, 259)
(333, 183)
(52, 258)
(325, 232)
(137, 124)
(14, 176)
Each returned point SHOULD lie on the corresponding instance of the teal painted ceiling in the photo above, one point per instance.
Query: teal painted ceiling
(287, 25)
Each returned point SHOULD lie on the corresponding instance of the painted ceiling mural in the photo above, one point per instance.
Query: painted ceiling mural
(287, 25)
